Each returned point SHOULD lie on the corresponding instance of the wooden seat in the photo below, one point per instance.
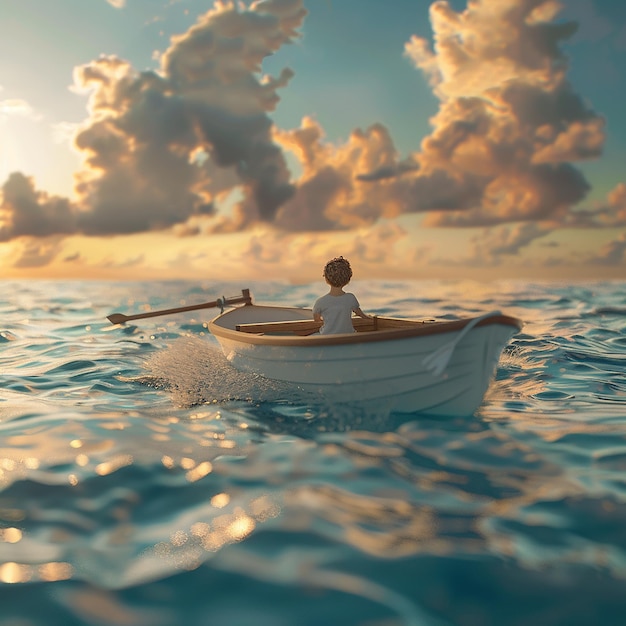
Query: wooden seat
(301, 327)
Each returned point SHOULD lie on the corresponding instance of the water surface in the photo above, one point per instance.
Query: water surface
(144, 482)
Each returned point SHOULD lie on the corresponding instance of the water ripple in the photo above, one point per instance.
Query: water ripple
(144, 481)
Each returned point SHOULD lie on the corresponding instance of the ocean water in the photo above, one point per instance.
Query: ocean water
(143, 482)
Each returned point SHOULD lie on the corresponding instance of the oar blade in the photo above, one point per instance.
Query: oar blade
(117, 318)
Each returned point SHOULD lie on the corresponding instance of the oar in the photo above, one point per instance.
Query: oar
(438, 360)
(120, 318)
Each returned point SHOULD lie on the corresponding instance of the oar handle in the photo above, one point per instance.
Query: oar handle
(120, 318)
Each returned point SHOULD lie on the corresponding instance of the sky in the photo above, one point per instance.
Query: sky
(192, 139)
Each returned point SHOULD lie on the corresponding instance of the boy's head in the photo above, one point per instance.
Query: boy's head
(338, 272)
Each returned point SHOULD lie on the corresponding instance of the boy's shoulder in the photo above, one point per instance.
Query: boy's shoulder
(326, 296)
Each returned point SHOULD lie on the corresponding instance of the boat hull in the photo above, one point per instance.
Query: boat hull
(388, 371)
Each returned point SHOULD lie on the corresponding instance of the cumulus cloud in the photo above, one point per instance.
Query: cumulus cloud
(164, 149)
(26, 211)
(505, 140)
(509, 124)
(156, 142)
(390, 171)
(118, 4)
(329, 194)
(617, 204)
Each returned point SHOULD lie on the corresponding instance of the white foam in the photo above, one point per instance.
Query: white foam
(196, 372)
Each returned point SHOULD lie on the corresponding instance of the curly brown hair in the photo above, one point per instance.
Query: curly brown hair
(338, 272)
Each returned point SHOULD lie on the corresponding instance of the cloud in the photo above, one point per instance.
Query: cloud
(215, 67)
(37, 253)
(510, 240)
(118, 4)
(505, 140)
(165, 149)
(135, 261)
(16, 107)
(158, 146)
(509, 124)
(613, 253)
(610, 214)
(617, 203)
(281, 253)
(328, 195)
(489, 246)
(389, 171)
(376, 244)
(24, 211)
(146, 127)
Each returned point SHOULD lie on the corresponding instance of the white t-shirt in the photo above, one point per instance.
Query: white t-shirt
(336, 311)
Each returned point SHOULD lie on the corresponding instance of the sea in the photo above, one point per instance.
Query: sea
(144, 482)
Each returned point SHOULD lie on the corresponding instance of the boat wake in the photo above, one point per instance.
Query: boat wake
(196, 373)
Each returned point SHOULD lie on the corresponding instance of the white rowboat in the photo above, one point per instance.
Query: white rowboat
(438, 368)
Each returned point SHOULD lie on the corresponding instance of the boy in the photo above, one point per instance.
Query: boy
(336, 307)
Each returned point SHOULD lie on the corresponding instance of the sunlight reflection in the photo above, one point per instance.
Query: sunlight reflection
(204, 468)
(200, 529)
(82, 460)
(8, 464)
(220, 500)
(51, 572)
(15, 573)
(108, 467)
(240, 527)
(264, 508)
(201, 415)
(186, 549)
(179, 538)
(381, 526)
(10, 535)
(187, 463)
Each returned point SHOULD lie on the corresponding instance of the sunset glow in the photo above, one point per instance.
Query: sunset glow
(254, 140)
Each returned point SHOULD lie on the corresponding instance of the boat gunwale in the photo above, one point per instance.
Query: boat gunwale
(420, 329)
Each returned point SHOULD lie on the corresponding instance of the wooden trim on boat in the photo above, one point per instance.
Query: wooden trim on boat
(388, 329)
(295, 326)
(302, 327)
